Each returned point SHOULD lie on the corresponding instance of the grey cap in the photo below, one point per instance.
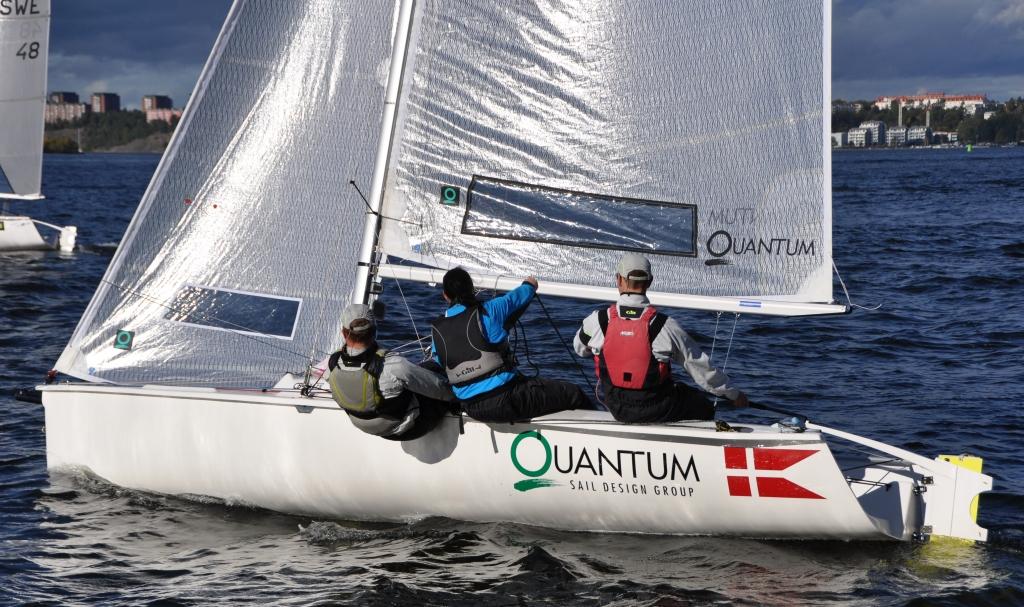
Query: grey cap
(358, 319)
(634, 266)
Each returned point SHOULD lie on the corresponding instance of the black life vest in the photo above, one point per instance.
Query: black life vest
(627, 358)
(463, 349)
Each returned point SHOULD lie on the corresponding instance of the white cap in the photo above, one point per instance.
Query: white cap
(358, 318)
(634, 266)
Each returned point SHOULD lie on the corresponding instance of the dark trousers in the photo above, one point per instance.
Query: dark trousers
(672, 403)
(525, 398)
(431, 412)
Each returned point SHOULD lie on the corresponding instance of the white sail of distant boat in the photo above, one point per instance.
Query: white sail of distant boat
(510, 138)
(24, 45)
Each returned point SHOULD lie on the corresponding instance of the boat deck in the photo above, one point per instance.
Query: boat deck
(577, 421)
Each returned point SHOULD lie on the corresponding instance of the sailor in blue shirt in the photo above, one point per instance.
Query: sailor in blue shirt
(470, 342)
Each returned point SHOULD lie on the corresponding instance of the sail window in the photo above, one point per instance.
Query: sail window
(237, 311)
(520, 211)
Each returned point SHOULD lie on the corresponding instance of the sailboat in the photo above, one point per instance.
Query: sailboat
(24, 42)
(510, 139)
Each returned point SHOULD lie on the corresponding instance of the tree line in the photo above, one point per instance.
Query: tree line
(109, 129)
(1005, 126)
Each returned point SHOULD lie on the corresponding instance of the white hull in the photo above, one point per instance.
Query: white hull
(20, 233)
(299, 455)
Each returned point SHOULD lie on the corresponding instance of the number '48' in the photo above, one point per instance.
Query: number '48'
(29, 50)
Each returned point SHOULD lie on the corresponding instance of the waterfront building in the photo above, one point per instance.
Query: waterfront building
(945, 137)
(165, 114)
(884, 102)
(860, 137)
(847, 107)
(973, 108)
(840, 140)
(62, 97)
(156, 102)
(919, 135)
(66, 112)
(970, 102)
(106, 102)
(988, 115)
(877, 128)
(896, 136)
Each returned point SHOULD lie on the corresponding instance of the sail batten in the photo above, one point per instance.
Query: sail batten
(715, 107)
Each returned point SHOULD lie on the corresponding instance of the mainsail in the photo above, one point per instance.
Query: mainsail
(529, 138)
(243, 250)
(547, 138)
(24, 44)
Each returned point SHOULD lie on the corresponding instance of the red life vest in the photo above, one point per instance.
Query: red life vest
(627, 359)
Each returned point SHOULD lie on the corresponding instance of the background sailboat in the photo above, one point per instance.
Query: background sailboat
(24, 44)
(510, 139)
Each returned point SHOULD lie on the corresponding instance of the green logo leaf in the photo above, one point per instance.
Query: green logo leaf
(533, 483)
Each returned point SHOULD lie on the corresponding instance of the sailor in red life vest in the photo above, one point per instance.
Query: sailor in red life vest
(633, 346)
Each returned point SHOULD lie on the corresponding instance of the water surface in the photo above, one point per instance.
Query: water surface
(934, 236)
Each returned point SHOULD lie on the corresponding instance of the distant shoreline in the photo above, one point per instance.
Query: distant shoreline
(944, 146)
(103, 153)
(63, 142)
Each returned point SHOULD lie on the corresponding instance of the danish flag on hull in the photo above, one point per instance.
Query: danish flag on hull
(771, 485)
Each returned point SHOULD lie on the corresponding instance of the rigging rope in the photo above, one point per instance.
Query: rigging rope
(408, 312)
(514, 335)
(370, 210)
(572, 354)
(306, 388)
(735, 320)
(728, 350)
(714, 339)
(402, 348)
(849, 302)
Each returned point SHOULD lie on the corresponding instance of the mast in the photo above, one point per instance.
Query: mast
(365, 273)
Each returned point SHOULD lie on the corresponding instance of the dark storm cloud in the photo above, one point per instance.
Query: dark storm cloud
(132, 47)
(956, 46)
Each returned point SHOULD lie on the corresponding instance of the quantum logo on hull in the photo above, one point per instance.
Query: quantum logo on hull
(593, 469)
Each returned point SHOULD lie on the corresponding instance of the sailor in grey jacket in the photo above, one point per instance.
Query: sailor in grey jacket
(383, 393)
(633, 346)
